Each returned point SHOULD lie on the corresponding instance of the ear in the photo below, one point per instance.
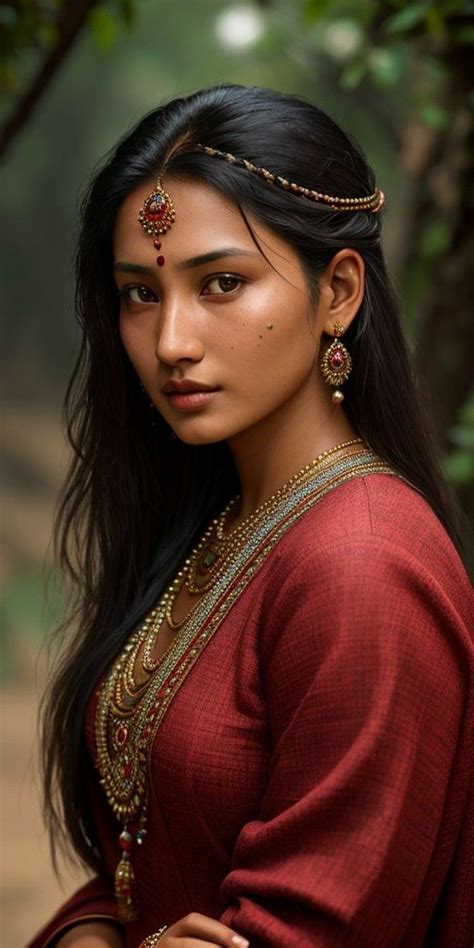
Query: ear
(341, 290)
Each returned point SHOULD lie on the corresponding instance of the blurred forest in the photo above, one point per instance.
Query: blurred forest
(74, 75)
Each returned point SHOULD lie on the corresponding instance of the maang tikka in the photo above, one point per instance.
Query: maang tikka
(336, 364)
(157, 215)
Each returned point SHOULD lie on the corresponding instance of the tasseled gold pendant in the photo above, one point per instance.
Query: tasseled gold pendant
(125, 890)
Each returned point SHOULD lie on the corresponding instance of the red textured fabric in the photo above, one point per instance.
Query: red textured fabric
(312, 778)
(94, 900)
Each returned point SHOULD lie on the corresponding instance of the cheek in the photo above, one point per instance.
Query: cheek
(135, 342)
(273, 344)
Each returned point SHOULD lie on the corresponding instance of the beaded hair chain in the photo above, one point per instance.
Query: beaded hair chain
(372, 202)
(157, 213)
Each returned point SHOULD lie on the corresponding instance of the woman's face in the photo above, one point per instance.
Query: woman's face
(217, 314)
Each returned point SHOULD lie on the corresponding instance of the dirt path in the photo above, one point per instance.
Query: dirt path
(34, 457)
(30, 892)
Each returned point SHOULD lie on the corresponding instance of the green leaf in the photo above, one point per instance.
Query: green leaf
(104, 27)
(464, 35)
(466, 414)
(353, 74)
(385, 66)
(127, 12)
(48, 34)
(8, 78)
(433, 115)
(462, 436)
(408, 17)
(435, 22)
(315, 10)
(459, 467)
(435, 239)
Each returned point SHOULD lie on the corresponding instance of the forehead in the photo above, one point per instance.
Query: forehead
(200, 213)
(205, 220)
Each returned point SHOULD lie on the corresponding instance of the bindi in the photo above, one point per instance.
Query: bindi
(156, 216)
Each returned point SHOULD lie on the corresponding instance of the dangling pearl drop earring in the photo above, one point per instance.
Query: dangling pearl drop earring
(336, 364)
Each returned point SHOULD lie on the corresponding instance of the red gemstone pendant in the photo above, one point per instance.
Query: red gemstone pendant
(336, 364)
(337, 359)
(157, 213)
(121, 735)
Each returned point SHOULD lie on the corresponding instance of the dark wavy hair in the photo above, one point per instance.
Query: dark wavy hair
(135, 499)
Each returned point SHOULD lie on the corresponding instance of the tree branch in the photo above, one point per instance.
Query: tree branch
(69, 26)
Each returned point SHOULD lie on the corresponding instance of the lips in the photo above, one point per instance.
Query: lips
(185, 387)
(191, 401)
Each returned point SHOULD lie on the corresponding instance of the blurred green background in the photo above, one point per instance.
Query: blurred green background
(75, 76)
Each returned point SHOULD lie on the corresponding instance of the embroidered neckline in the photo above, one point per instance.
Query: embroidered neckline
(128, 714)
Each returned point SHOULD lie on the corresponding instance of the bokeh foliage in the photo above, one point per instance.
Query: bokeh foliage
(76, 73)
(424, 50)
(408, 63)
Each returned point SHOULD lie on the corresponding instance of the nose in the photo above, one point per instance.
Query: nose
(177, 336)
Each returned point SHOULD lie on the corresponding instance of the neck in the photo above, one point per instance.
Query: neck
(268, 454)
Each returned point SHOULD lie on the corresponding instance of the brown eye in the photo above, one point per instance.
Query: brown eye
(138, 294)
(226, 283)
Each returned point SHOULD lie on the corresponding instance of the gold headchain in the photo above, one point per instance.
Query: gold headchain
(373, 202)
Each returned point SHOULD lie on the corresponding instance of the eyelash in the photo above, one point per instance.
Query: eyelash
(125, 290)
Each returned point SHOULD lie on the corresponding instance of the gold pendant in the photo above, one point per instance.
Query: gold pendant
(127, 907)
(201, 575)
(336, 364)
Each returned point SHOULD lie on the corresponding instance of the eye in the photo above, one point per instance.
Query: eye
(220, 285)
(142, 293)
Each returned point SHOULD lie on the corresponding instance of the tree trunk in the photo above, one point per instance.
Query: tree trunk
(439, 164)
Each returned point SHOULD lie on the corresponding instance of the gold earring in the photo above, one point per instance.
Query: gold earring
(336, 364)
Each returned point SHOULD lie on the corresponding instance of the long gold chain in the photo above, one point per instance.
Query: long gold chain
(137, 689)
(221, 547)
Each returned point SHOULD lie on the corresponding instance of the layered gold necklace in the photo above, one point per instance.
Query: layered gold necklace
(138, 688)
(205, 564)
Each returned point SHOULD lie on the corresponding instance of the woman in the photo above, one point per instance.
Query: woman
(263, 727)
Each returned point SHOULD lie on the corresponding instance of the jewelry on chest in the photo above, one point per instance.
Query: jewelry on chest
(138, 689)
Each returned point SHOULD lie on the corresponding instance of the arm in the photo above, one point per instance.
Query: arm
(367, 670)
(91, 935)
(91, 912)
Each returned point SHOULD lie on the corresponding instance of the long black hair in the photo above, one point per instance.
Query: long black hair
(135, 499)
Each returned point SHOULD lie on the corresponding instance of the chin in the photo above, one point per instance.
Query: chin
(196, 439)
(197, 431)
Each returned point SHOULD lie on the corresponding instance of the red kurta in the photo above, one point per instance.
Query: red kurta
(312, 777)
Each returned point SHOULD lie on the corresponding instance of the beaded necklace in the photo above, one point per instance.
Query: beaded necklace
(208, 559)
(138, 688)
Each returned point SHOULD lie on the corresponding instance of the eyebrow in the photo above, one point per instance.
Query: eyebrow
(198, 261)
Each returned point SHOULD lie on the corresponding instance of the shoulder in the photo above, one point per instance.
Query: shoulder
(363, 527)
(371, 554)
(368, 510)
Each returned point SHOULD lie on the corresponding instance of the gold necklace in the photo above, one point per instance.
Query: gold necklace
(130, 708)
(211, 556)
